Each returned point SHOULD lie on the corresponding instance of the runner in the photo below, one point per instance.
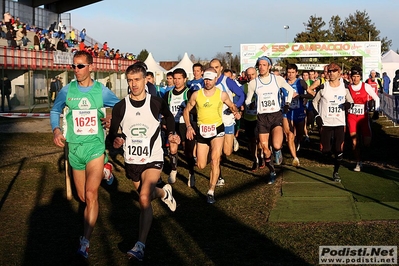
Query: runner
(229, 86)
(358, 116)
(210, 132)
(294, 119)
(331, 101)
(270, 118)
(177, 99)
(138, 117)
(250, 113)
(85, 137)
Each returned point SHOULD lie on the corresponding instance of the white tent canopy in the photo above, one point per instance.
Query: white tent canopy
(154, 67)
(187, 65)
(390, 63)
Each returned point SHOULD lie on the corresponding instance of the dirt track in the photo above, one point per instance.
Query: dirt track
(25, 125)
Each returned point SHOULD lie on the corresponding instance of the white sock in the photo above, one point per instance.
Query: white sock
(211, 192)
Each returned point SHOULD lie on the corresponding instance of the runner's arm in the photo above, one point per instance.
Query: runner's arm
(373, 95)
(190, 105)
(251, 91)
(237, 90)
(282, 83)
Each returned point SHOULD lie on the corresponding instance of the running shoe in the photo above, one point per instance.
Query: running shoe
(236, 145)
(210, 198)
(358, 167)
(336, 177)
(220, 182)
(307, 139)
(108, 176)
(272, 178)
(191, 180)
(278, 157)
(84, 247)
(136, 252)
(172, 177)
(168, 199)
(295, 162)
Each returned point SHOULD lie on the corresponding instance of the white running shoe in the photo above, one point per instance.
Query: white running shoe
(168, 199)
(358, 167)
(172, 177)
(295, 162)
(220, 182)
(191, 180)
(236, 145)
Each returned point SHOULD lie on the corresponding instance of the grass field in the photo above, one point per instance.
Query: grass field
(38, 226)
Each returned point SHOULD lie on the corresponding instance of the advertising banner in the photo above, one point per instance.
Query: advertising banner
(369, 51)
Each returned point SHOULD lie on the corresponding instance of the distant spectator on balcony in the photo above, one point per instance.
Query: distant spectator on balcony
(117, 54)
(63, 32)
(25, 33)
(7, 20)
(11, 38)
(105, 46)
(52, 26)
(111, 54)
(81, 46)
(3, 29)
(101, 54)
(17, 21)
(59, 28)
(82, 35)
(36, 41)
(73, 37)
(19, 36)
(47, 43)
(61, 46)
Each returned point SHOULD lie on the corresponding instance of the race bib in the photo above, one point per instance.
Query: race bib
(208, 131)
(357, 109)
(334, 110)
(137, 151)
(85, 122)
(267, 104)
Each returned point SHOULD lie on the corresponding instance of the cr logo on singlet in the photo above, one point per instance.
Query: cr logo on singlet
(139, 131)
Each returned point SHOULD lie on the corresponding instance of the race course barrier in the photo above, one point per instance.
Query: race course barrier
(23, 115)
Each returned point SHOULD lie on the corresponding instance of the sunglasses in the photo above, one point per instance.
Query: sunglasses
(332, 70)
(80, 66)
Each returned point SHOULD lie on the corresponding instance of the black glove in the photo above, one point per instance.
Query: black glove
(319, 121)
(347, 106)
(286, 108)
(375, 116)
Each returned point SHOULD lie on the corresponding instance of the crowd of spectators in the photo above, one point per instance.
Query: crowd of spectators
(55, 38)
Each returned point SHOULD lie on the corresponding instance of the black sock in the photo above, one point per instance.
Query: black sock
(173, 161)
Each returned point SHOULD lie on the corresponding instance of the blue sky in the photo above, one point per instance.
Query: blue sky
(203, 28)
